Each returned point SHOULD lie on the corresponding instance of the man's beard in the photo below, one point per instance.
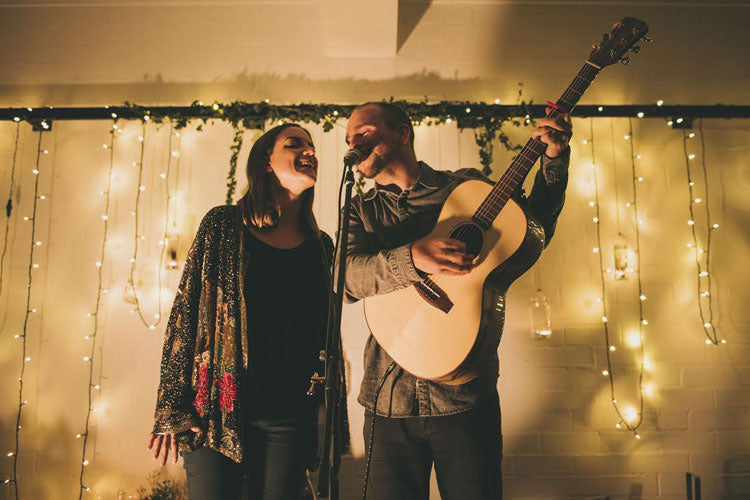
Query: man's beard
(379, 162)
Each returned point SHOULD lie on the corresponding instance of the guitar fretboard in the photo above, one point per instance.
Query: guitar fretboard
(522, 163)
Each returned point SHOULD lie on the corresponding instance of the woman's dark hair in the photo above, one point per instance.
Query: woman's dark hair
(258, 207)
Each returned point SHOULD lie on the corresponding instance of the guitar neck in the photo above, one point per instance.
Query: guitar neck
(522, 163)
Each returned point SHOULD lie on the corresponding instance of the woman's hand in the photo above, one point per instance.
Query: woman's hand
(164, 444)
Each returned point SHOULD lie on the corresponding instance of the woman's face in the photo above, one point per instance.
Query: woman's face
(293, 160)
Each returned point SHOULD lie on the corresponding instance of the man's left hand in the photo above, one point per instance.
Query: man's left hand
(554, 132)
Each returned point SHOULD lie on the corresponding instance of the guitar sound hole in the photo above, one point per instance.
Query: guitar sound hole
(472, 235)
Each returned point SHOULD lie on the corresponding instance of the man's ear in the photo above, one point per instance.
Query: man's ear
(404, 134)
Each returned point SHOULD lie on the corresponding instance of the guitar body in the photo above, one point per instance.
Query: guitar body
(443, 342)
(432, 328)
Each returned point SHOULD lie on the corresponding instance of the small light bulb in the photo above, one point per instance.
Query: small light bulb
(697, 200)
(679, 120)
(640, 114)
(468, 110)
(85, 462)
(595, 250)
(596, 219)
(628, 204)
(715, 226)
(497, 101)
(703, 274)
(612, 348)
(604, 319)
(626, 137)
(707, 324)
(448, 120)
(142, 188)
(591, 203)
(97, 387)
(140, 139)
(708, 342)
(584, 142)
(669, 123)
(640, 179)
(132, 259)
(98, 264)
(638, 436)
(617, 425)
(643, 297)
(86, 358)
(605, 372)
(723, 341)
(659, 102)
(691, 222)
(600, 108)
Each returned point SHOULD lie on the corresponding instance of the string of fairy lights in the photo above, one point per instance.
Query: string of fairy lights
(702, 256)
(25, 359)
(92, 337)
(629, 417)
(9, 209)
(131, 288)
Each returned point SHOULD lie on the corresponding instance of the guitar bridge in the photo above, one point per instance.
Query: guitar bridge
(434, 295)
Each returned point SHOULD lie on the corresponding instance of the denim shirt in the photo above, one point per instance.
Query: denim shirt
(383, 225)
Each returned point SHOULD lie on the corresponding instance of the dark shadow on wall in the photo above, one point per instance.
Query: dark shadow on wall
(244, 86)
(410, 12)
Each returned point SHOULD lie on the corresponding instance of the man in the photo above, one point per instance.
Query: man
(420, 422)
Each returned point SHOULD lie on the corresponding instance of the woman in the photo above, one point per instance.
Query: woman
(245, 331)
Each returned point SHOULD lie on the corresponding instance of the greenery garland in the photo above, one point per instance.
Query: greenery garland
(485, 119)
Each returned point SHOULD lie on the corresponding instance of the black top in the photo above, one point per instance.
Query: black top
(286, 295)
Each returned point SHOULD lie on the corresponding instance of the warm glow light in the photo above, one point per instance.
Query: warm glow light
(631, 414)
(633, 339)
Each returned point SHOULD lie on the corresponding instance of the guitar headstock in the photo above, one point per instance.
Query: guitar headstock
(624, 35)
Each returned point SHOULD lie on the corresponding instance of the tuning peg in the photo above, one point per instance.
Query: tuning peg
(635, 49)
(648, 40)
(606, 36)
(595, 47)
(625, 61)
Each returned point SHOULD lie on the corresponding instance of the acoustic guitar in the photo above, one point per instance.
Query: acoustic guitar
(434, 328)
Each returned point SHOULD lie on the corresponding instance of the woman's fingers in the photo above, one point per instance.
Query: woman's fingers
(165, 449)
(151, 439)
(174, 449)
(157, 445)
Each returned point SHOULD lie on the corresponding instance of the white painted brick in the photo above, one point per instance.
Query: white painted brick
(570, 442)
(733, 441)
(718, 418)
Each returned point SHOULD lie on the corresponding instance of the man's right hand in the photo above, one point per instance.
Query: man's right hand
(441, 256)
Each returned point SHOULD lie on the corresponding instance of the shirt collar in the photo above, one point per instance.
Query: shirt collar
(428, 177)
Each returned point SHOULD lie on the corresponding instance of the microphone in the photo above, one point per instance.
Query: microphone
(353, 157)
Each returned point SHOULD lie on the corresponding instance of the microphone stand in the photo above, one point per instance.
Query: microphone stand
(328, 478)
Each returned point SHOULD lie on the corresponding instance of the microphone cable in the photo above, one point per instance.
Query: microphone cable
(372, 427)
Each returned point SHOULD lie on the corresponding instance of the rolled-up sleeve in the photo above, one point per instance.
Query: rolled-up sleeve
(371, 270)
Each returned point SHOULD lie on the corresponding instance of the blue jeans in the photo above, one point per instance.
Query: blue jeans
(274, 464)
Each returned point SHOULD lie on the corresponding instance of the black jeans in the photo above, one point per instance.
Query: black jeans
(276, 454)
(466, 449)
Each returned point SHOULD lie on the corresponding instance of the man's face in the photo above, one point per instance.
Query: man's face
(367, 132)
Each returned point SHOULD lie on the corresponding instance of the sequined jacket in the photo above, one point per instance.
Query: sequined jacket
(205, 351)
